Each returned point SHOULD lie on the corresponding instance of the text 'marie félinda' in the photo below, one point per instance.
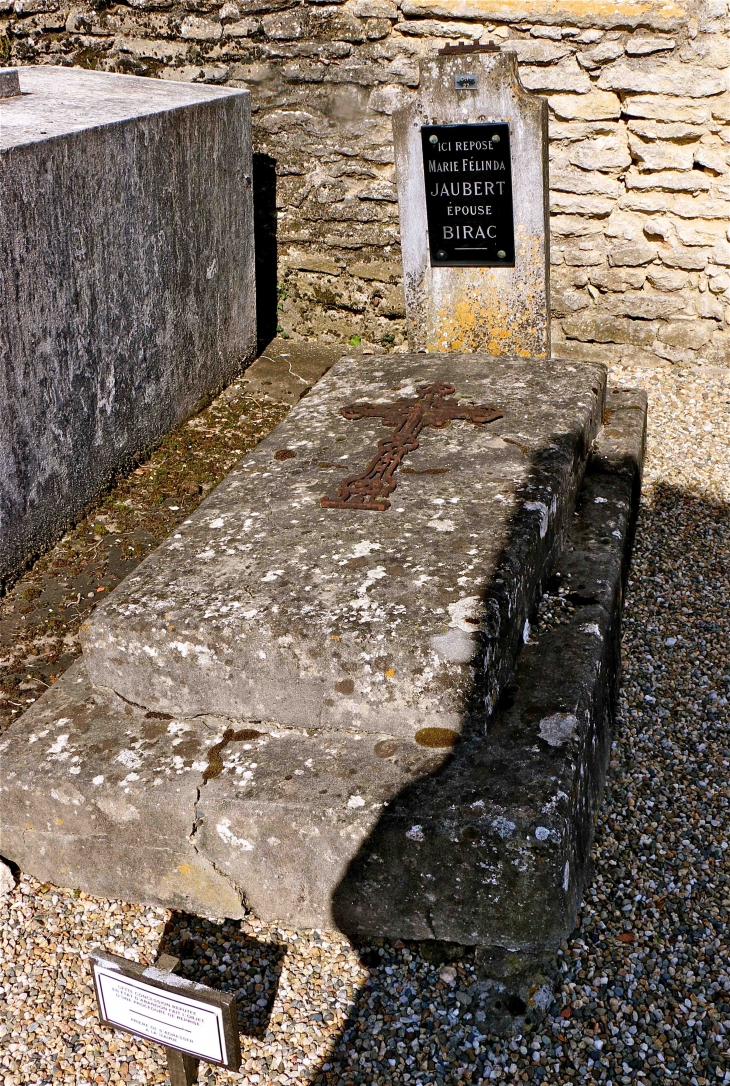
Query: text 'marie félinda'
(468, 179)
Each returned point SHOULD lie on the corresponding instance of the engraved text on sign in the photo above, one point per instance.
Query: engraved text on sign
(468, 179)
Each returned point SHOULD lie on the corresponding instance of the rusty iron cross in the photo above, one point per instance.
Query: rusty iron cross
(370, 489)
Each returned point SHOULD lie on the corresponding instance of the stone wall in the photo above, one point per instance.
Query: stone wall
(639, 97)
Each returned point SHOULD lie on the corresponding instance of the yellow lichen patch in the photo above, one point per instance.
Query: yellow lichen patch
(498, 310)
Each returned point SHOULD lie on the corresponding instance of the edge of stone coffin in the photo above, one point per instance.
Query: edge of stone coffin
(265, 606)
(372, 834)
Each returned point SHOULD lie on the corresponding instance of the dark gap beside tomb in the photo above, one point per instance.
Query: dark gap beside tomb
(266, 249)
(252, 972)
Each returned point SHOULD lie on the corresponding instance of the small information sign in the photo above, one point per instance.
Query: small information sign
(155, 1004)
(468, 179)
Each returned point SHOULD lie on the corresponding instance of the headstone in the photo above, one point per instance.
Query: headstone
(471, 155)
(126, 278)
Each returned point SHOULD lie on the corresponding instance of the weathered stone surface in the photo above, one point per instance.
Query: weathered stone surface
(265, 605)
(483, 842)
(148, 285)
(576, 13)
(501, 311)
(660, 77)
(9, 82)
(595, 106)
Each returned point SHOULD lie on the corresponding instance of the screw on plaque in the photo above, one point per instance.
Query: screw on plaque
(501, 254)
(441, 254)
(495, 138)
(433, 139)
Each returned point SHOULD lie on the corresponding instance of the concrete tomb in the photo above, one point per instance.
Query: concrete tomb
(329, 695)
(126, 278)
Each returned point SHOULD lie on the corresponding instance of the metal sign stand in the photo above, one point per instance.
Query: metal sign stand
(182, 1068)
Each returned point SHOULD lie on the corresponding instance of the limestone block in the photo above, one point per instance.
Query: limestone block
(567, 178)
(618, 279)
(640, 46)
(375, 9)
(393, 303)
(389, 98)
(643, 305)
(600, 54)
(594, 106)
(631, 255)
(686, 333)
(671, 107)
(576, 226)
(194, 28)
(586, 254)
(598, 327)
(685, 207)
(711, 157)
(286, 26)
(688, 259)
(602, 153)
(430, 28)
(669, 181)
(667, 279)
(668, 16)
(721, 254)
(660, 77)
(564, 76)
(718, 284)
(570, 204)
(667, 130)
(661, 155)
(706, 305)
(700, 232)
(659, 227)
(720, 107)
(568, 132)
(537, 50)
(148, 299)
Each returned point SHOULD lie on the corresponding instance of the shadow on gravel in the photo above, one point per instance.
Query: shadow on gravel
(226, 957)
(643, 989)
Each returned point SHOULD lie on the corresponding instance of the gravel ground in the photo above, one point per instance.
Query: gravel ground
(644, 987)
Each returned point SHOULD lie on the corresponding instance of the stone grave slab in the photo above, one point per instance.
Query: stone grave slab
(482, 842)
(266, 606)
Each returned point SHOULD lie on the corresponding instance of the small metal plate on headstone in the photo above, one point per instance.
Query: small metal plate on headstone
(465, 81)
(167, 1009)
(468, 179)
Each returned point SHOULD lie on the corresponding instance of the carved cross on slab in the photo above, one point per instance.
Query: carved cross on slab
(430, 407)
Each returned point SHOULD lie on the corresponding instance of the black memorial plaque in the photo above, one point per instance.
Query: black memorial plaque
(468, 177)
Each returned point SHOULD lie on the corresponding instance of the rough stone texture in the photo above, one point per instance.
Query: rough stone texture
(9, 82)
(484, 843)
(126, 280)
(502, 311)
(263, 605)
(326, 78)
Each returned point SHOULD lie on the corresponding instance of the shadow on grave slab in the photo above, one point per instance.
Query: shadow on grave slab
(226, 958)
(484, 860)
